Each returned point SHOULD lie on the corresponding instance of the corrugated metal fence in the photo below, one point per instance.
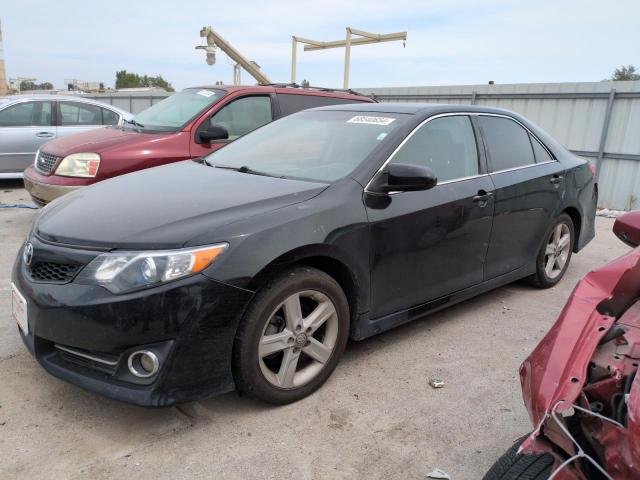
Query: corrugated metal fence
(597, 120)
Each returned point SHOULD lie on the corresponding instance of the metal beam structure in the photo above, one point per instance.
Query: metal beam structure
(215, 40)
(362, 38)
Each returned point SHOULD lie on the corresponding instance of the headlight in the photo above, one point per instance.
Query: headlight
(121, 272)
(79, 165)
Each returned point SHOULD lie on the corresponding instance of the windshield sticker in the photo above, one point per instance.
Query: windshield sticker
(206, 93)
(381, 136)
(371, 120)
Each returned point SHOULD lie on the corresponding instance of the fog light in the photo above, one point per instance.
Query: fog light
(143, 363)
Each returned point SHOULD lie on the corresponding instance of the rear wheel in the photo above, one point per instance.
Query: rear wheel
(291, 336)
(555, 253)
(512, 466)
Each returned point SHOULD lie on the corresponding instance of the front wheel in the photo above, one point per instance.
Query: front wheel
(291, 336)
(514, 466)
(555, 253)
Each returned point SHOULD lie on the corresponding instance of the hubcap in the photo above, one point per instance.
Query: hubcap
(298, 339)
(557, 251)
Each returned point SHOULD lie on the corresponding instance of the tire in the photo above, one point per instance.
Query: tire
(284, 350)
(512, 466)
(545, 277)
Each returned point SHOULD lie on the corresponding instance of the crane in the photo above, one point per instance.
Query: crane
(215, 40)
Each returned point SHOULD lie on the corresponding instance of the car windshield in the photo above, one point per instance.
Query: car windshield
(317, 145)
(174, 112)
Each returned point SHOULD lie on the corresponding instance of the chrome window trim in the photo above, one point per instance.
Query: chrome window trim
(476, 114)
(529, 165)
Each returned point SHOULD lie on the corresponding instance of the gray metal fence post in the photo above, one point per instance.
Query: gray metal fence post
(473, 97)
(131, 103)
(605, 132)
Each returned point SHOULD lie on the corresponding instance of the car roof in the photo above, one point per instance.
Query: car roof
(286, 88)
(424, 109)
(50, 96)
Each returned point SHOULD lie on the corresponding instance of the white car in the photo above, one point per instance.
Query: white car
(28, 121)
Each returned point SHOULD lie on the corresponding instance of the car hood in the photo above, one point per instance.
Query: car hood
(548, 374)
(165, 207)
(99, 140)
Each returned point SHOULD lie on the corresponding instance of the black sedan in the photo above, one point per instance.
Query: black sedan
(250, 269)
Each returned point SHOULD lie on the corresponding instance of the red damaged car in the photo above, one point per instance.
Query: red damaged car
(579, 384)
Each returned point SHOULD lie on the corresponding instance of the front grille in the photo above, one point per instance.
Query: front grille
(53, 272)
(45, 162)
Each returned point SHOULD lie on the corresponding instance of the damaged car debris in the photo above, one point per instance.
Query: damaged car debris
(251, 268)
(580, 384)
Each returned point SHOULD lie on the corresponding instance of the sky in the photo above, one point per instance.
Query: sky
(449, 41)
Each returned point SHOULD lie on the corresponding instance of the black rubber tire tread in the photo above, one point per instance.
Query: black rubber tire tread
(540, 279)
(247, 375)
(512, 466)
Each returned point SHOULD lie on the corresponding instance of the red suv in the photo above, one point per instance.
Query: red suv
(188, 124)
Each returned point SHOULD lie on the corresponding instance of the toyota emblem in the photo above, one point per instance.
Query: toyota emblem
(27, 254)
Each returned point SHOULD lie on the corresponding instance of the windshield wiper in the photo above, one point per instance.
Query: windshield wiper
(245, 169)
(133, 122)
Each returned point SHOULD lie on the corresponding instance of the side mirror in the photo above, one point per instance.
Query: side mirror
(213, 132)
(404, 177)
(627, 228)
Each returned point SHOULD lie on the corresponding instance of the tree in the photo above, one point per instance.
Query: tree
(126, 79)
(305, 83)
(29, 85)
(625, 73)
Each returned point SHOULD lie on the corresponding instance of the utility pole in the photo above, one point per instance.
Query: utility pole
(362, 38)
(215, 40)
(3, 73)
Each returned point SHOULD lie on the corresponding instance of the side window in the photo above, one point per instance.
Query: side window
(539, 151)
(243, 115)
(508, 143)
(26, 114)
(447, 145)
(75, 113)
(109, 117)
(292, 103)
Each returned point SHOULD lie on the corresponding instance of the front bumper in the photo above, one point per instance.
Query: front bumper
(190, 324)
(41, 189)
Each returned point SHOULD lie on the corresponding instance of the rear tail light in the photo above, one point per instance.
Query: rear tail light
(592, 167)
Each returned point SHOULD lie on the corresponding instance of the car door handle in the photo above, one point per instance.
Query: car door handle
(44, 134)
(482, 198)
(556, 180)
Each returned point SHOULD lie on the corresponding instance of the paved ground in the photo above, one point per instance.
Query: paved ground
(376, 417)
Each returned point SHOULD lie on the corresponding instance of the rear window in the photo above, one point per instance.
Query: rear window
(292, 103)
(507, 142)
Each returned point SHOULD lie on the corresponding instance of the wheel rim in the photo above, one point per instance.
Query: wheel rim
(298, 339)
(557, 252)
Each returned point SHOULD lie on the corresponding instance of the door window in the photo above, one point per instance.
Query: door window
(539, 151)
(243, 115)
(26, 114)
(109, 117)
(508, 143)
(75, 113)
(292, 103)
(447, 145)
